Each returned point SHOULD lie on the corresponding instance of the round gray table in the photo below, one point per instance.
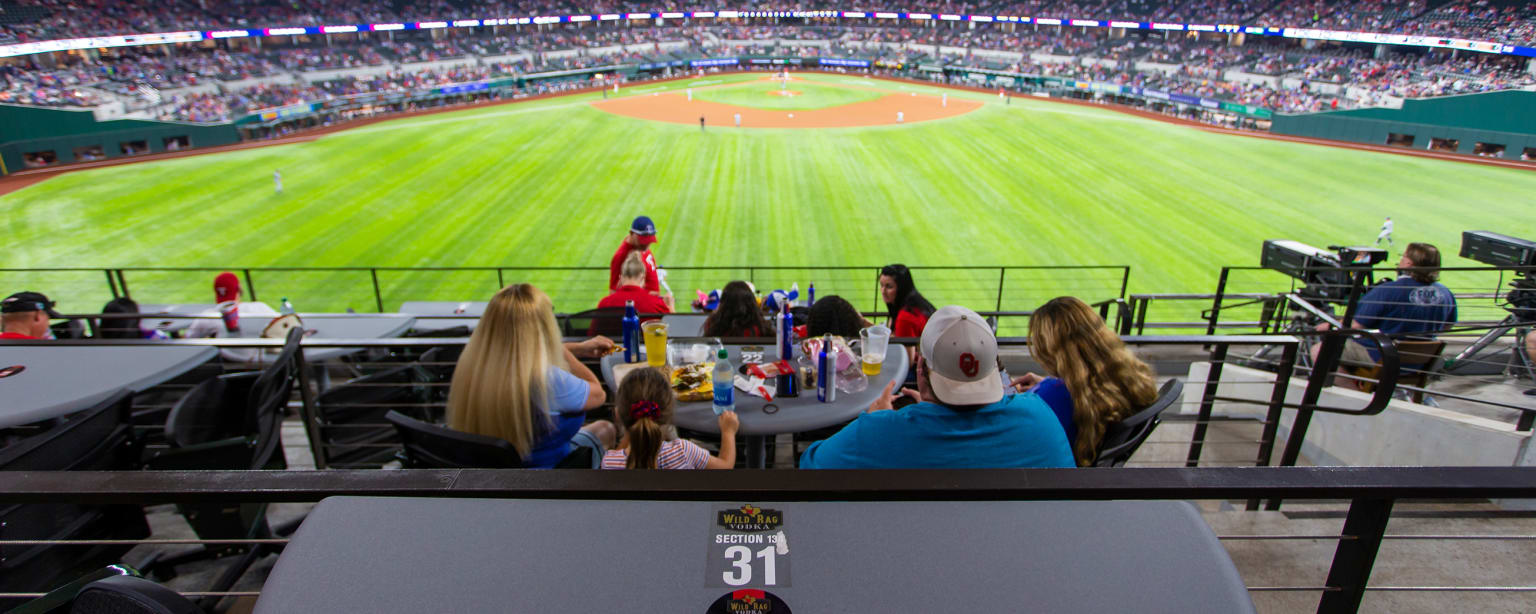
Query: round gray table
(388, 555)
(61, 380)
(247, 311)
(326, 326)
(470, 312)
(795, 415)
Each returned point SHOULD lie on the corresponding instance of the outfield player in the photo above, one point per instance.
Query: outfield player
(1386, 232)
(277, 178)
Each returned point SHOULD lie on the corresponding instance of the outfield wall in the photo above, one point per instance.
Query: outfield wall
(1502, 118)
(26, 130)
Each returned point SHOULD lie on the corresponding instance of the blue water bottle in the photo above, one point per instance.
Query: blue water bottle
(826, 367)
(784, 385)
(810, 295)
(631, 333)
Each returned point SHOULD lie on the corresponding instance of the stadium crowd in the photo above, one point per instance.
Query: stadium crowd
(1500, 20)
(1282, 75)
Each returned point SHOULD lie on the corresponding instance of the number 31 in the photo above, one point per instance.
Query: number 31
(742, 566)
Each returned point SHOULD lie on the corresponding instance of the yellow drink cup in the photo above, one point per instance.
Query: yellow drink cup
(871, 368)
(655, 333)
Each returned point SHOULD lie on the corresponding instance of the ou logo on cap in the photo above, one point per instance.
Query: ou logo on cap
(969, 365)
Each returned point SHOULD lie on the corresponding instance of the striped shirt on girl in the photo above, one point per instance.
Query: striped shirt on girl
(674, 454)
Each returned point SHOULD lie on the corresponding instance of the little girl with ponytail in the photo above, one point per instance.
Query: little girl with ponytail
(643, 409)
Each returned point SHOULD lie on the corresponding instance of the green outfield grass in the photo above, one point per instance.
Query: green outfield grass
(555, 182)
(808, 95)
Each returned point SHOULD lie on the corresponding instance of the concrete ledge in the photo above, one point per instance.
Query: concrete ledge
(1405, 434)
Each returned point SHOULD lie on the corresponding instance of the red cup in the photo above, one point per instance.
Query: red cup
(230, 311)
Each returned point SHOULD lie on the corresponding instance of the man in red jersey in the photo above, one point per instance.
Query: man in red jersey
(642, 233)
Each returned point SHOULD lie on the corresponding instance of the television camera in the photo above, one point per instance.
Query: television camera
(1324, 274)
(1505, 251)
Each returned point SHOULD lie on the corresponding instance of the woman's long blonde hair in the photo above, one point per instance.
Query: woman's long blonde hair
(1105, 380)
(500, 386)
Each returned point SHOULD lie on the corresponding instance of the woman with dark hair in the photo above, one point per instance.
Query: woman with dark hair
(908, 310)
(120, 328)
(738, 314)
(834, 315)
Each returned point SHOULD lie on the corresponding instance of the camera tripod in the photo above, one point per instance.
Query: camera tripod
(1301, 321)
(1521, 305)
(1519, 358)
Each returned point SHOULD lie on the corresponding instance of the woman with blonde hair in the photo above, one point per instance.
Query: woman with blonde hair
(516, 380)
(1094, 380)
(643, 407)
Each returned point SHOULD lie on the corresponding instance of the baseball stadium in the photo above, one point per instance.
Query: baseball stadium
(327, 306)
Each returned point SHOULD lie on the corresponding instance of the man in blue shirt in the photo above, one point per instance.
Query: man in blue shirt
(962, 419)
(1415, 304)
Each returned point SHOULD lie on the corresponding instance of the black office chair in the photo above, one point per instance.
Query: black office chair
(430, 446)
(352, 430)
(378, 359)
(437, 365)
(97, 439)
(233, 422)
(1122, 438)
(116, 589)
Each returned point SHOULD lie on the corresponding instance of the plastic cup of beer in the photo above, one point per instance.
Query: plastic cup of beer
(655, 333)
(872, 343)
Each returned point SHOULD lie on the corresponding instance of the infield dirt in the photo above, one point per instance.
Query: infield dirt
(677, 109)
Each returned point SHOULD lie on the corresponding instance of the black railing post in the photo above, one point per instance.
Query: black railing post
(308, 410)
(1002, 272)
(1221, 289)
(122, 283)
(378, 297)
(112, 284)
(250, 286)
(1125, 281)
(1276, 405)
(1207, 399)
(877, 294)
(1355, 555)
(1141, 316)
(501, 282)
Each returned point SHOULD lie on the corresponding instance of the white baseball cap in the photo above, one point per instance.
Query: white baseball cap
(961, 353)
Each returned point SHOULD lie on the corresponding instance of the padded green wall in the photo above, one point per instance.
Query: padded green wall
(1506, 118)
(26, 129)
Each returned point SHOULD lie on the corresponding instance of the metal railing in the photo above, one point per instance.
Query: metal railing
(378, 355)
(573, 288)
(1492, 319)
(1371, 493)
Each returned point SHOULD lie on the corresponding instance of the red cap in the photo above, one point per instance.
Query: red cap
(226, 287)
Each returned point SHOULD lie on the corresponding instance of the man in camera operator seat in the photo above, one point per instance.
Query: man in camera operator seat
(1414, 304)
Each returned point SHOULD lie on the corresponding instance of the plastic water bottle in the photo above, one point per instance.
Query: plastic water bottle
(287, 307)
(826, 367)
(631, 333)
(723, 376)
